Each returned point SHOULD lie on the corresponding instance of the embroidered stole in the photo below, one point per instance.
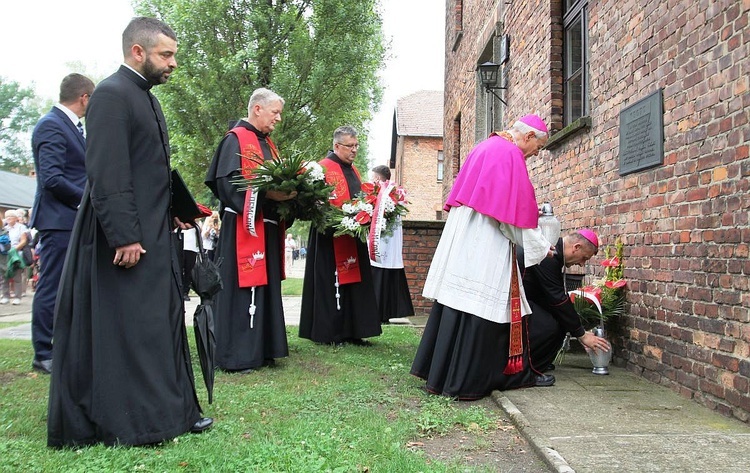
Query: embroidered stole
(515, 345)
(345, 246)
(250, 234)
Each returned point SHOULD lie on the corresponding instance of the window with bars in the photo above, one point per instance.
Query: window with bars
(575, 60)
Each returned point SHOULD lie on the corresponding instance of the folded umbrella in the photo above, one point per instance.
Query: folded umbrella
(206, 283)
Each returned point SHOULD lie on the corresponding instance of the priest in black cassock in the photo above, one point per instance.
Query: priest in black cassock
(249, 316)
(553, 315)
(338, 297)
(121, 372)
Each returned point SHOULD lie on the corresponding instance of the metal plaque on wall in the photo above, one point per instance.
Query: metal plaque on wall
(642, 134)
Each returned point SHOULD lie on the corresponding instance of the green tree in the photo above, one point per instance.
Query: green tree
(322, 56)
(19, 111)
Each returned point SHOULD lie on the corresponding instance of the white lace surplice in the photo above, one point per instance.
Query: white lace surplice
(471, 269)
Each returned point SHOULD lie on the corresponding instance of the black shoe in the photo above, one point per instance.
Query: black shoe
(550, 367)
(202, 425)
(359, 342)
(545, 380)
(43, 366)
(270, 362)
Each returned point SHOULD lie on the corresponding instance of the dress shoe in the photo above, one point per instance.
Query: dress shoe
(550, 367)
(202, 425)
(359, 342)
(544, 380)
(44, 366)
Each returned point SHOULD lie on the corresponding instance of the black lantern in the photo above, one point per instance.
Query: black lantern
(488, 74)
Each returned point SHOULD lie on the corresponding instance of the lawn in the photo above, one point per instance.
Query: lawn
(291, 287)
(322, 409)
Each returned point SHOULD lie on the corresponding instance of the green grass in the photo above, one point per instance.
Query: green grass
(322, 409)
(291, 287)
(11, 324)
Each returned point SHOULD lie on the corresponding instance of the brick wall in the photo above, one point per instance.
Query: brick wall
(420, 241)
(685, 223)
(418, 175)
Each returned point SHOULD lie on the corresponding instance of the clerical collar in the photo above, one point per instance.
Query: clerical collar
(256, 131)
(334, 157)
(145, 84)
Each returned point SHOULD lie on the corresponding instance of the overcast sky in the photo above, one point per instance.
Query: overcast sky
(43, 38)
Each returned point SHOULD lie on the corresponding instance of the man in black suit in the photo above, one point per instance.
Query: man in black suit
(121, 370)
(59, 149)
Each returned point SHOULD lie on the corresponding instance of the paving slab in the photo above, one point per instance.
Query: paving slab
(623, 423)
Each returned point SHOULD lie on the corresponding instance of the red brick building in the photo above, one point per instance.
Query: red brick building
(582, 65)
(417, 152)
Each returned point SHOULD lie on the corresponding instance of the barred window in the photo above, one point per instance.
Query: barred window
(575, 61)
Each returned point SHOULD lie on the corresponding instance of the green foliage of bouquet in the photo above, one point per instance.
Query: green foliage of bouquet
(355, 217)
(609, 292)
(294, 174)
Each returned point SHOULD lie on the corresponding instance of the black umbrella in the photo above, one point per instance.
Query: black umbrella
(206, 283)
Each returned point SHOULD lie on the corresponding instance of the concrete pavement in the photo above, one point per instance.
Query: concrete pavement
(623, 423)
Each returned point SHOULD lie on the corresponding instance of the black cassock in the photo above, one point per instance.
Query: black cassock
(121, 363)
(238, 345)
(553, 315)
(320, 319)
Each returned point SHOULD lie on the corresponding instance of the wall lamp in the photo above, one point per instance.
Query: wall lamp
(488, 74)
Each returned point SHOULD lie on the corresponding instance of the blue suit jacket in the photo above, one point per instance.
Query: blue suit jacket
(60, 160)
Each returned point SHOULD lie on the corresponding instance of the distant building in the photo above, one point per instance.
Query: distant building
(16, 191)
(417, 152)
(649, 107)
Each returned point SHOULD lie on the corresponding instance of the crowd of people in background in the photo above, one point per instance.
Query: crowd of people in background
(17, 258)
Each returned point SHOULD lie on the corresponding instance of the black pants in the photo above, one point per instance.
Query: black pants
(52, 246)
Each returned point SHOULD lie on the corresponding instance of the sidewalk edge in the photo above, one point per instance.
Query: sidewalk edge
(550, 456)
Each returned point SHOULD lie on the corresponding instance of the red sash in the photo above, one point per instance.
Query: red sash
(251, 249)
(345, 246)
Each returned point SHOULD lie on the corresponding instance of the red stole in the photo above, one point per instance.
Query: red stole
(515, 346)
(251, 248)
(345, 246)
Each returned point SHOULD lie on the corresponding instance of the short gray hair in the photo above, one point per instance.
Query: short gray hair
(262, 97)
(523, 128)
(343, 131)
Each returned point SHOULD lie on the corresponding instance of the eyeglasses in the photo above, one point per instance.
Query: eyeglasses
(354, 146)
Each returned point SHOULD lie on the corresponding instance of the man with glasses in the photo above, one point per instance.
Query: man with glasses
(338, 298)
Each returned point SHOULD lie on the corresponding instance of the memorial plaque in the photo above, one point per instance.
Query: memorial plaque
(642, 134)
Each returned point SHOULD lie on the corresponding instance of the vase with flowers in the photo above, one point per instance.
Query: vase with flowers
(603, 301)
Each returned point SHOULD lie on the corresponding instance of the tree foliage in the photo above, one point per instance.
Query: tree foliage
(19, 110)
(322, 56)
